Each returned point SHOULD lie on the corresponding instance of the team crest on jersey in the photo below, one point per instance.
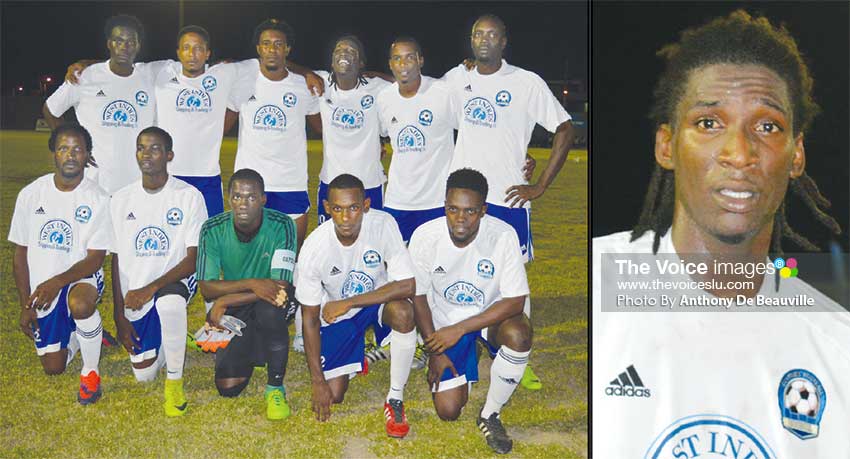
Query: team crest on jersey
(347, 118)
(56, 235)
(174, 216)
(270, 118)
(357, 283)
(464, 294)
(152, 241)
(367, 101)
(503, 98)
(486, 268)
(479, 112)
(710, 436)
(371, 258)
(142, 98)
(426, 117)
(83, 214)
(802, 400)
(193, 100)
(209, 83)
(289, 99)
(410, 139)
(119, 113)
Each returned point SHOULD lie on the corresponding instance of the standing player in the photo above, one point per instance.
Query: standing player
(156, 222)
(61, 232)
(353, 272)
(113, 100)
(245, 261)
(470, 285)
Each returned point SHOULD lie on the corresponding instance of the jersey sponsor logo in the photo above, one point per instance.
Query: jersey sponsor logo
(56, 235)
(174, 216)
(119, 113)
(209, 83)
(347, 118)
(367, 101)
(709, 436)
(464, 294)
(410, 139)
(83, 214)
(802, 400)
(503, 98)
(486, 269)
(289, 99)
(269, 118)
(627, 384)
(39, 211)
(151, 241)
(193, 100)
(357, 283)
(142, 98)
(371, 258)
(426, 117)
(478, 111)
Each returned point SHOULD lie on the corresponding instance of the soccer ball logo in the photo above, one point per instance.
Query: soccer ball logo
(209, 83)
(174, 216)
(371, 258)
(289, 99)
(142, 98)
(801, 398)
(83, 214)
(426, 117)
(367, 102)
(503, 98)
(486, 269)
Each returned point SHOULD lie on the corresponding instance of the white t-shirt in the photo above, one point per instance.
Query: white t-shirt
(421, 130)
(153, 231)
(328, 271)
(58, 228)
(351, 132)
(461, 283)
(698, 384)
(496, 116)
(113, 109)
(272, 127)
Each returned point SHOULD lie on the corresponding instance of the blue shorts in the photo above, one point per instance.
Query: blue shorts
(520, 219)
(464, 357)
(376, 195)
(149, 327)
(56, 326)
(343, 349)
(409, 220)
(292, 203)
(211, 188)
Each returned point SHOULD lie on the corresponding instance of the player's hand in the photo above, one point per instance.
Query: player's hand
(45, 293)
(333, 309)
(322, 397)
(469, 63)
(443, 339)
(437, 364)
(270, 290)
(214, 316)
(135, 299)
(28, 321)
(72, 75)
(127, 335)
(518, 195)
(528, 168)
(315, 84)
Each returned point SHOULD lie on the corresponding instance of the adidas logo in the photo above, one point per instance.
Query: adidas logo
(39, 211)
(468, 88)
(130, 216)
(627, 384)
(439, 270)
(252, 98)
(265, 255)
(330, 102)
(174, 80)
(335, 271)
(510, 381)
(393, 121)
(101, 93)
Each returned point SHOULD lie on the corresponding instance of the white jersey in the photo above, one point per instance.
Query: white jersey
(58, 228)
(153, 231)
(351, 132)
(272, 127)
(496, 116)
(421, 130)
(718, 384)
(113, 109)
(461, 283)
(328, 271)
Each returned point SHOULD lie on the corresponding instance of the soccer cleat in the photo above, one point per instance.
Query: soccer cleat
(175, 400)
(276, 406)
(397, 426)
(376, 354)
(530, 380)
(420, 358)
(298, 343)
(89, 388)
(191, 343)
(495, 434)
(212, 340)
(365, 370)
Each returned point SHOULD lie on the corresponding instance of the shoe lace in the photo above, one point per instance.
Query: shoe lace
(397, 409)
(276, 397)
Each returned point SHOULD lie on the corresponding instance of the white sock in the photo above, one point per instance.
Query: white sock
(208, 305)
(526, 308)
(89, 334)
(299, 323)
(73, 347)
(507, 370)
(149, 374)
(172, 319)
(402, 347)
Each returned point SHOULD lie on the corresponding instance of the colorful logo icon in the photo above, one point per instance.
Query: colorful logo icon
(787, 268)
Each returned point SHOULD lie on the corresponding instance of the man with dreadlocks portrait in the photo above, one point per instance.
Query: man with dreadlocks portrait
(731, 110)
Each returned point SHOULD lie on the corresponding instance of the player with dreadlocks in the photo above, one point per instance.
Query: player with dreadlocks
(731, 109)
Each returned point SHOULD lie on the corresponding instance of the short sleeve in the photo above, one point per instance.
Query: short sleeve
(208, 264)
(197, 217)
(152, 68)
(283, 258)
(18, 228)
(399, 265)
(308, 282)
(421, 254)
(102, 234)
(65, 97)
(312, 104)
(513, 282)
(454, 109)
(544, 108)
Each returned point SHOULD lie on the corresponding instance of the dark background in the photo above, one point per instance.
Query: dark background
(625, 37)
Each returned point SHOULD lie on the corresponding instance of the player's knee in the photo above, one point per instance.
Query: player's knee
(338, 398)
(229, 389)
(54, 363)
(401, 316)
(448, 412)
(53, 369)
(516, 335)
(81, 306)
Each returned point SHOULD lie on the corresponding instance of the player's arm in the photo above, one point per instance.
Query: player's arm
(127, 335)
(315, 84)
(322, 395)
(315, 122)
(52, 121)
(75, 69)
(375, 74)
(137, 298)
(239, 299)
(437, 362)
(446, 337)
(21, 272)
(265, 289)
(47, 290)
(396, 290)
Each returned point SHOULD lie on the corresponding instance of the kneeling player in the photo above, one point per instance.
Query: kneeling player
(245, 261)
(61, 232)
(353, 272)
(471, 284)
(156, 221)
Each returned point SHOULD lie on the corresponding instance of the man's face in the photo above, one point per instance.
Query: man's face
(488, 41)
(346, 207)
(71, 155)
(464, 209)
(123, 45)
(272, 49)
(346, 58)
(405, 62)
(246, 200)
(151, 154)
(732, 150)
(193, 52)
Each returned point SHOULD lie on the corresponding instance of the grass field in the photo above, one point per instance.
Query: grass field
(40, 416)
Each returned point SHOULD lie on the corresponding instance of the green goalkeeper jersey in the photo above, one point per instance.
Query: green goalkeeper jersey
(269, 255)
